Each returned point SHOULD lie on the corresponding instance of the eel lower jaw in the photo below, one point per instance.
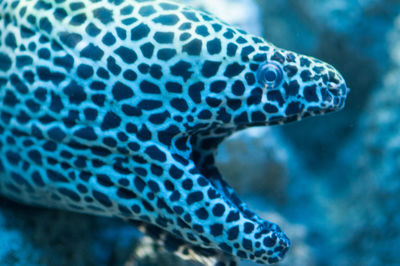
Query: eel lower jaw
(264, 227)
(202, 156)
(216, 179)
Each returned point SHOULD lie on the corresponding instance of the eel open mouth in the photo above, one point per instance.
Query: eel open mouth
(204, 146)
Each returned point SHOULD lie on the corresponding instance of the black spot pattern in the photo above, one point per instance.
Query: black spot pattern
(70, 39)
(110, 121)
(139, 32)
(168, 20)
(121, 91)
(5, 62)
(210, 68)
(119, 107)
(103, 14)
(214, 46)
(182, 68)
(164, 37)
(233, 70)
(75, 93)
(127, 55)
(93, 52)
(193, 47)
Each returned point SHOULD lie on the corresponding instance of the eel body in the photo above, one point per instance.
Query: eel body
(116, 108)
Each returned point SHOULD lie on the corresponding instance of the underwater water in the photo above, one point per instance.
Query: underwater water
(331, 182)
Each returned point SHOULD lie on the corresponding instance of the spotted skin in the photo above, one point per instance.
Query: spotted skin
(116, 108)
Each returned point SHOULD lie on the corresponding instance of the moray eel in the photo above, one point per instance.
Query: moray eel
(116, 108)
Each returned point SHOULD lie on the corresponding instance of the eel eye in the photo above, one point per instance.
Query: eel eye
(270, 75)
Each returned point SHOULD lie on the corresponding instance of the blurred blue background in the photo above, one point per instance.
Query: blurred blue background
(331, 182)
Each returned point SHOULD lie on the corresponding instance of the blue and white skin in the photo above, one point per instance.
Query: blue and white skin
(116, 108)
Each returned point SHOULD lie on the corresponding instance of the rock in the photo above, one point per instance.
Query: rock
(372, 228)
(11, 243)
(37, 236)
